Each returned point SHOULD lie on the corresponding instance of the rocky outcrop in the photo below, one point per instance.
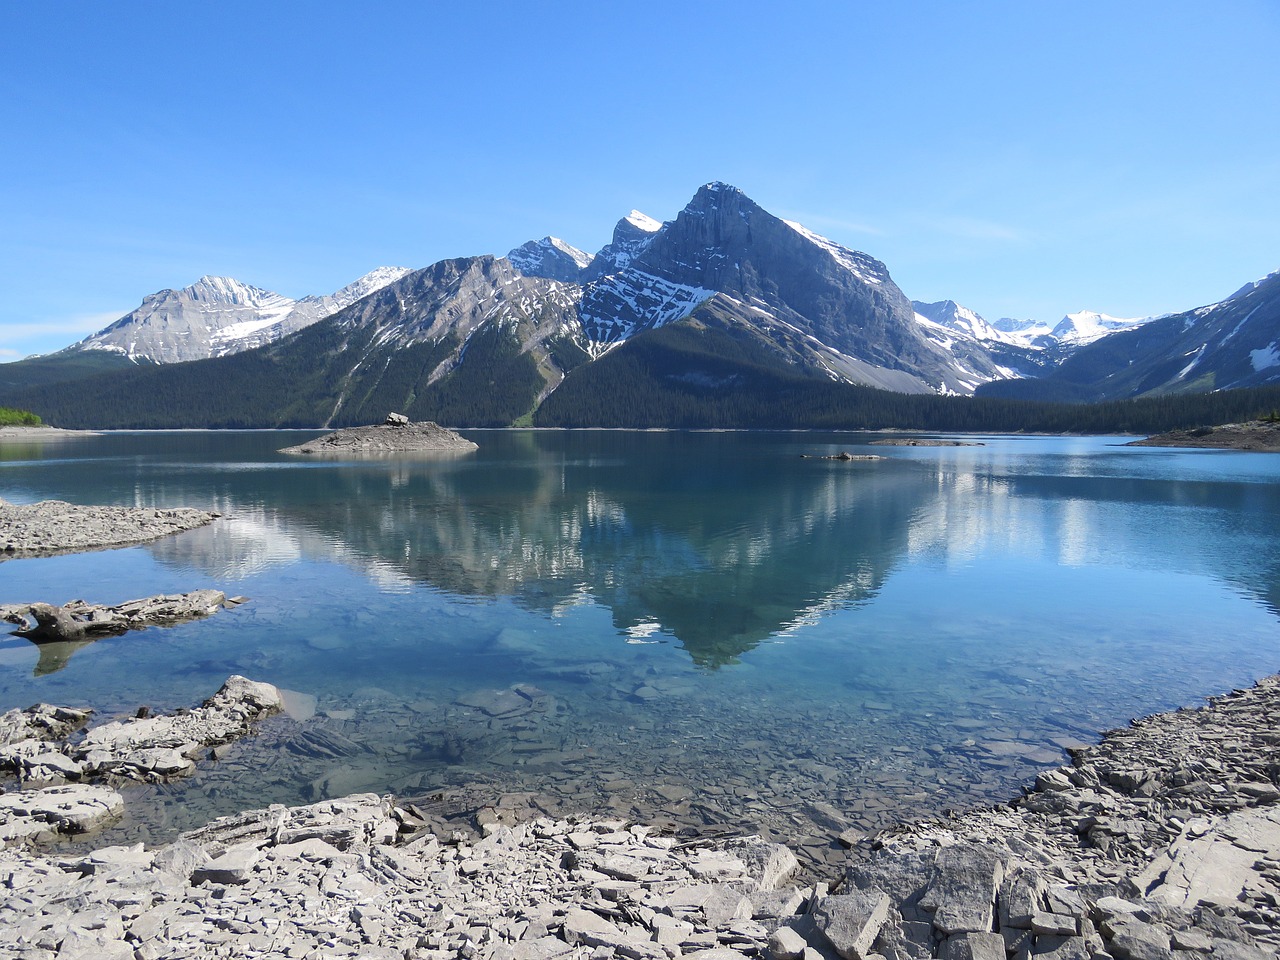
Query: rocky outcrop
(53, 526)
(146, 748)
(1259, 435)
(41, 722)
(387, 439)
(35, 815)
(78, 620)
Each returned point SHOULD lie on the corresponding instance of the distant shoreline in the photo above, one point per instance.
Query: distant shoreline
(42, 433)
(1258, 436)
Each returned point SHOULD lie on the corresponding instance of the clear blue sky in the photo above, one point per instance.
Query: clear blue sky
(1024, 159)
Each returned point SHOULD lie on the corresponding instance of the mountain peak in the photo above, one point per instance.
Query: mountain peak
(631, 235)
(551, 258)
(228, 290)
(1086, 326)
(719, 186)
(642, 222)
(1250, 287)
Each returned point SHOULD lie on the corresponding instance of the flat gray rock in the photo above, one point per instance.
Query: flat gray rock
(962, 895)
(851, 922)
(1216, 866)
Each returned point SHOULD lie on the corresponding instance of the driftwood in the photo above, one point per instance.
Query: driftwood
(80, 621)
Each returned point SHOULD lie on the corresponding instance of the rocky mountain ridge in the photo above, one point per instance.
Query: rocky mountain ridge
(724, 297)
(1231, 344)
(217, 316)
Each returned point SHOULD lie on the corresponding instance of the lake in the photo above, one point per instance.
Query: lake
(717, 630)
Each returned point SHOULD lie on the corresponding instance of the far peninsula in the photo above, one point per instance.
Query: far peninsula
(1262, 436)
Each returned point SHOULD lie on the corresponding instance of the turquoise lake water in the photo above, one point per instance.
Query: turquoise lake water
(704, 628)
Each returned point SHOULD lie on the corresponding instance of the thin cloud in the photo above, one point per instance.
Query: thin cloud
(80, 324)
(969, 228)
(833, 223)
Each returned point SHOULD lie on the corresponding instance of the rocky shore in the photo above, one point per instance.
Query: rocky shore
(1262, 436)
(53, 526)
(397, 436)
(1160, 842)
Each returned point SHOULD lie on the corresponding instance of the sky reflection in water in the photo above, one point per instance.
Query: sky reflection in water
(700, 609)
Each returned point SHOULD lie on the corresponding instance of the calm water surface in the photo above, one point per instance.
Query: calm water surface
(700, 629)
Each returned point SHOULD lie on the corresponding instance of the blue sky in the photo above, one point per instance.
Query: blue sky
(1024, 159)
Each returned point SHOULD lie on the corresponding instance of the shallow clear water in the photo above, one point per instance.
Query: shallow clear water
(710, 627)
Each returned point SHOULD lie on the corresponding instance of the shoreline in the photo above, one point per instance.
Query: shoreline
(42, 433)
(52, 527)
(1164, 836)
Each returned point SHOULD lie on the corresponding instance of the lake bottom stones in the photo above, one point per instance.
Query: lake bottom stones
(1161, 842)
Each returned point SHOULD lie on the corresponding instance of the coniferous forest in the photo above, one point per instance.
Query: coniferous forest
(677, 377)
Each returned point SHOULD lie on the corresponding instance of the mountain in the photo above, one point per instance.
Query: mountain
(216, 316)
(1027, 328)
(833, 311)
(551, 258)
(1019, 348)
(1086, 327)
(1231, 344)
(949, 314)
(631, 235)
(723, 316)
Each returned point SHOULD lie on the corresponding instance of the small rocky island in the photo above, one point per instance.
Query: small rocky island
(1258, 435)
(396, 435)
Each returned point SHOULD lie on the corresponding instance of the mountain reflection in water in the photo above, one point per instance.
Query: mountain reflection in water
(708, 629)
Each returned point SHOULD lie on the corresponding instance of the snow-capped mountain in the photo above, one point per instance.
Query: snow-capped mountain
(1087, 326)
(216, 316)
(842, 314)
(631, 235)
(954, 317)
(551, 258)
(1030, 329)
(724, 314)
(1225, 345)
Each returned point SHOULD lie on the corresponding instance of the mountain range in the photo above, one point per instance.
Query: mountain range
(726, 306)
(216, 316)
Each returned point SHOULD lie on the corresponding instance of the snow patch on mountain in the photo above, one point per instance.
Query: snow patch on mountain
(612, 311)
(1030, 329)
(1267, 357)
(949, 315)
(1250, 287)
(632, 235)
(643, 222)
(1087, 326)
